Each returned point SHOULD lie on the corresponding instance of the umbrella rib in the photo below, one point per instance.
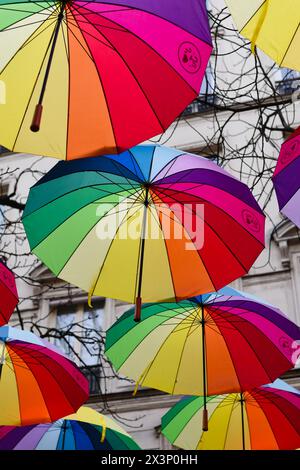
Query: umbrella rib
(67, 50)
(181, 429)
(95, 201)
(118, 228)
(116, 164)
(133, 75)
(253, 350)
(201, 260)
(16, 382)
(77, 39)
(138, 165)
(274, 400)
(43, 21)
(240, 315)
(94, 186)
(48, 427)
(166, 248)
(31, 13)
(103, 90)
(83, 5)
(162, 18)
(74, 23)
(252, 16)
(147, 369)
(78, 210)
(135, 163)
(293, 193)
(133, 184)
(179, 310)
(34, 85)
(41, 363)
(233, 404)
(164, 186)
(222, 241)
(274, 434)
(160, 226)
(12, 28)
(170, 163)
(31, 38)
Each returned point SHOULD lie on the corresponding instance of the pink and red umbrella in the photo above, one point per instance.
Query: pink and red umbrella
(8, 293)
(286, 178)
(37, 383)
(103, 76)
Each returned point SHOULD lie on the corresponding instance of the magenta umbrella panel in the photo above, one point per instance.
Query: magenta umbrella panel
(286, 178)
(8, 293)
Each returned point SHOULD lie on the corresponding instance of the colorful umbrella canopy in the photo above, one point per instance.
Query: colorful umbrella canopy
(37, 384)
(144, 219)
(234, 343)
(286, 178)
(271, 25)
(266, 418)
(84, 430)
(8, 293)
(143, 62)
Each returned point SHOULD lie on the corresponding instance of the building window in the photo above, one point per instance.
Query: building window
(289, 81)
(207, 97)
(80, 329)
(93, 321)
(65, 323)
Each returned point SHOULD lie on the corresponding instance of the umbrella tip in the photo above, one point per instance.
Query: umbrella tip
(205, 421)
(36, 121)
(138, 309)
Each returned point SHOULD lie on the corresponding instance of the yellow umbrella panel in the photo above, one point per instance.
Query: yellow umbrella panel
(271, 25)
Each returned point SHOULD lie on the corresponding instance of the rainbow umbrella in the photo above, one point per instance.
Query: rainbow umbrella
(8, 293)
(286, 178)
(37, 384)
(271, 25)
(84, 430)
(266, 418)
(133, 226)
(97, 76)
(211, 344)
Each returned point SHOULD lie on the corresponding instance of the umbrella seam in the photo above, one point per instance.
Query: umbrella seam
(101, 83)
(130, 70)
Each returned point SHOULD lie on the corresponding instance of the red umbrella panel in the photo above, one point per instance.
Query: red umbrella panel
(8, 293)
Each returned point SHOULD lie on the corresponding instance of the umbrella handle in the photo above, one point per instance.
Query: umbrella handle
(138, 309)
(205, 421)
(36, 121)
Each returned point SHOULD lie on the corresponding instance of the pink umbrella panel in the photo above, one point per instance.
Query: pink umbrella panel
(8, 293)
(286, 178)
